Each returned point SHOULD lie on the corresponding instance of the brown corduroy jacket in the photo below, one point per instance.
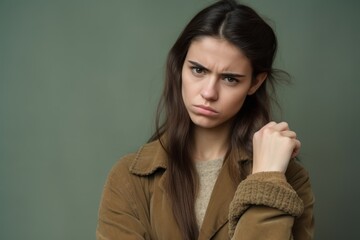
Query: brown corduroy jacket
(271, 206)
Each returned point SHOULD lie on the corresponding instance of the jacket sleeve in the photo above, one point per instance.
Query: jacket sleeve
(268, 206)
(118, 212)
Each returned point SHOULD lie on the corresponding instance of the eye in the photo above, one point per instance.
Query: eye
(197, 70)
(230, 80)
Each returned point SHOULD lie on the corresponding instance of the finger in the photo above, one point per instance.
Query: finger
(297, 147)
(270, 124)
(282, 126)
(288, 133)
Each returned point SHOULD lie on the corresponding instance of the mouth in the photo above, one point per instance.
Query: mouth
(205, 110)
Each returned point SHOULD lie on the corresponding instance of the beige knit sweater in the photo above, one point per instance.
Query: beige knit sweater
(208, 172)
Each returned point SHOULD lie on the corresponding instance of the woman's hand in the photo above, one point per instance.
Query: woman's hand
(273, 146)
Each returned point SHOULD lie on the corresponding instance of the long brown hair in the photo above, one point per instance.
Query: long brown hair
(243, 27)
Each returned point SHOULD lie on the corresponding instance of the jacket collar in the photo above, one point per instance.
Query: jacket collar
(152, 156)
(148, 159)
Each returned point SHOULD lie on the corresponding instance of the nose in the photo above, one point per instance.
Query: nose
(209, 91)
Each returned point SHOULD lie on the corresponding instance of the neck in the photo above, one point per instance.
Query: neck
(210, 143)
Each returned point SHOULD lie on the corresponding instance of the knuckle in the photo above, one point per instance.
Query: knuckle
(286, 125)
(276, 134)
(288, 141)
(267, 131)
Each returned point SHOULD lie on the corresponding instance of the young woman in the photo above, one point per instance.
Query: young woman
(217, 167)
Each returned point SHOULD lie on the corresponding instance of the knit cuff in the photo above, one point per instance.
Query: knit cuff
(267, 189)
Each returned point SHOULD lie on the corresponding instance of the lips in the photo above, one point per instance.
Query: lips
(205, 110)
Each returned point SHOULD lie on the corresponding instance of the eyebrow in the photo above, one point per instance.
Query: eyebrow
(233, 75)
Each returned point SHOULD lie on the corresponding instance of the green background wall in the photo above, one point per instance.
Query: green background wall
(80, 80)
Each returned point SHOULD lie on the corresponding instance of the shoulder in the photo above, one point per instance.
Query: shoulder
(296, 174)
(298, 177)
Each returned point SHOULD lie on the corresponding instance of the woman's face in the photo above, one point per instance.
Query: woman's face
(216, 78)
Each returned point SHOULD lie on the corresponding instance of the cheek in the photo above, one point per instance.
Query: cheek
(235, 103)
(186, 88)
(183, 94)
(186, 93)
(183, 85)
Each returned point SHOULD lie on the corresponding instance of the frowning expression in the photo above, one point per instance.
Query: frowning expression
(216, 78)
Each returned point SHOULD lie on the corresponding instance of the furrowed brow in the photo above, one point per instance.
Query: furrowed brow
(199, 65)
(233, 75)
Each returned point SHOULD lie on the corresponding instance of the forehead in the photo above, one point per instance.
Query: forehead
(219, 53)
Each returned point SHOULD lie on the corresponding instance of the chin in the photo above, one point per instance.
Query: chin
(205, 123)
(206, 126)
(208, 123)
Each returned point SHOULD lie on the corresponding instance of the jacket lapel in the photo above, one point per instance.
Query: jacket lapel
(217, 212)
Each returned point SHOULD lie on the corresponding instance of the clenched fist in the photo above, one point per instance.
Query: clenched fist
(273, 146)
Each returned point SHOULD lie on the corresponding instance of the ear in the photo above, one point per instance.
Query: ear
(259, 79)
